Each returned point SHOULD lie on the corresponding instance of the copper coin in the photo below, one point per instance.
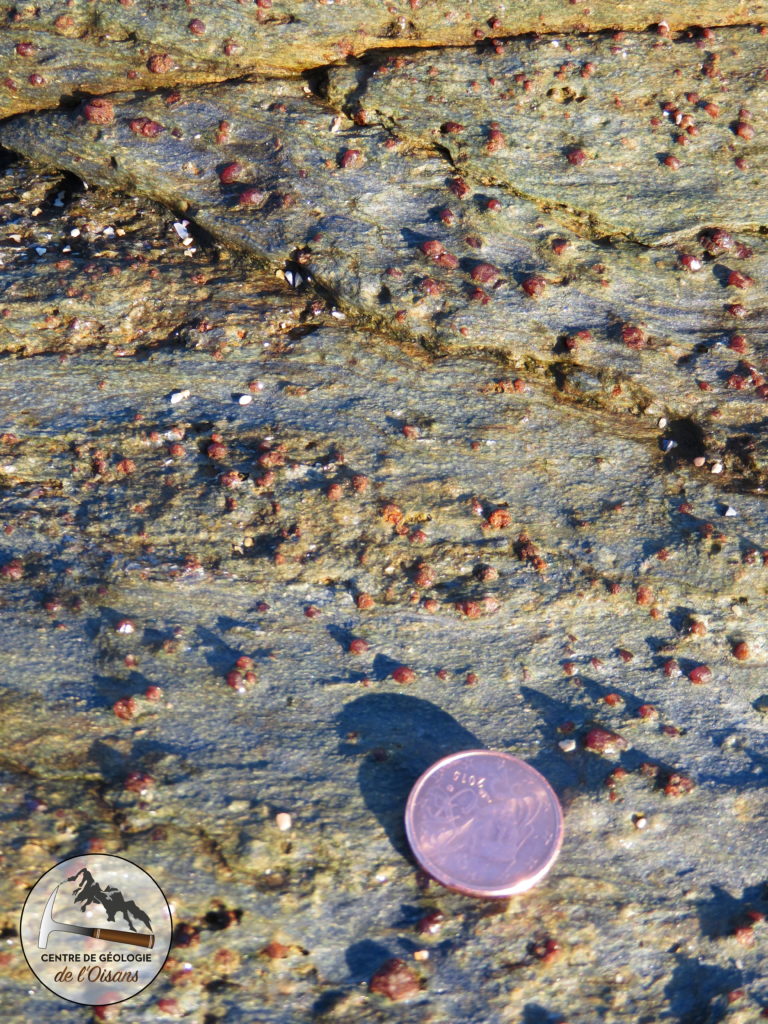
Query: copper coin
(484, 823)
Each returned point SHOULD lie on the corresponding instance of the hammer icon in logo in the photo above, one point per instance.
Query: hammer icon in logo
(49, 924)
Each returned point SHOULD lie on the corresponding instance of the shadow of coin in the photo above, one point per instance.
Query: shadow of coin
(396, 738)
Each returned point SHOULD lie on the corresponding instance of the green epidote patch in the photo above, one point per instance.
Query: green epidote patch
(51, 52)
(583, 125)
(408, 246)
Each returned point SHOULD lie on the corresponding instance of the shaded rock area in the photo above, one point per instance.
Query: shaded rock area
(115, 273)
(293, 404)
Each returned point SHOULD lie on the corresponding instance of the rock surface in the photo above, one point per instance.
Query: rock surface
(119, 273)
(49, 54)
(358, 521)
(583, 127)
(404, 243)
